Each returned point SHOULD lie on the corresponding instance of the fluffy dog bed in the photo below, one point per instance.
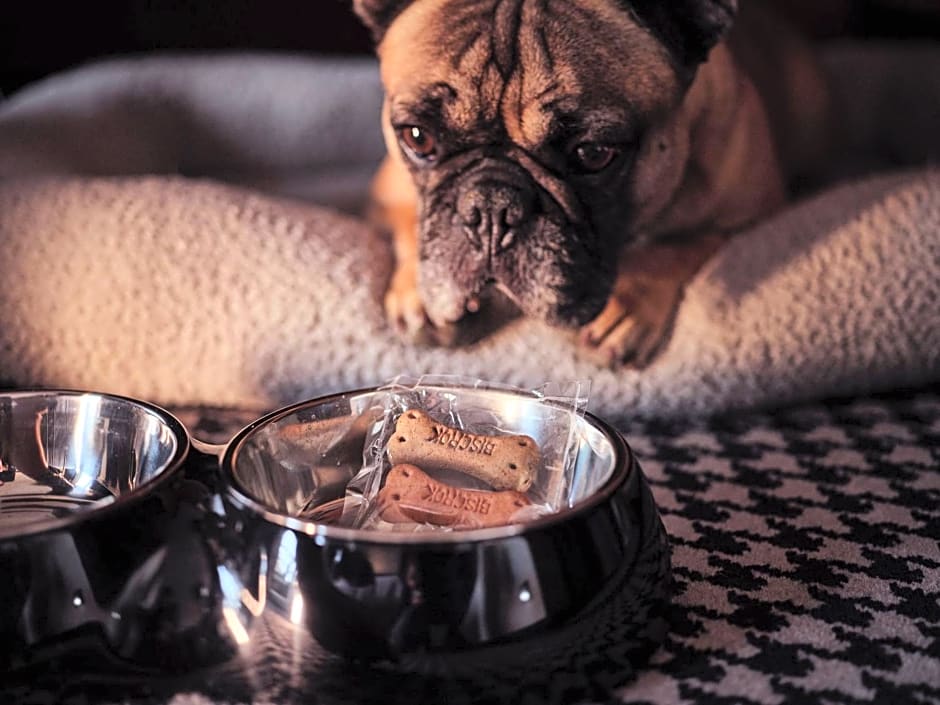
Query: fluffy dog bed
(174, 288)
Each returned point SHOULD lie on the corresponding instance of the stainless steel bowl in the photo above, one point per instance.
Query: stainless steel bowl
(65, 453)
(454, 603)
(89, 484)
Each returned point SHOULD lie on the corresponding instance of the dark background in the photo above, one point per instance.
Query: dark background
(40, 37)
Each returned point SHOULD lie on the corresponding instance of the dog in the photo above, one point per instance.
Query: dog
(584, 157)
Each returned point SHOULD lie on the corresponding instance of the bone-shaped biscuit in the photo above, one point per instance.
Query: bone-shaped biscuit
(503, 462)
(411, 495)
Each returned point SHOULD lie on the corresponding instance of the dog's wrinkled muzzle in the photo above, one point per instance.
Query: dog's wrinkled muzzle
(503, 219)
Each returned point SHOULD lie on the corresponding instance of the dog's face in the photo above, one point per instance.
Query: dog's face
(540, 135)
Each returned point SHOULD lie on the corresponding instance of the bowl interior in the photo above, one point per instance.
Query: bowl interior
(296, 463)
(67, 451)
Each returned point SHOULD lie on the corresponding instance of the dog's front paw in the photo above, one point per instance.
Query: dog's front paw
(635, 323)
(406, 313)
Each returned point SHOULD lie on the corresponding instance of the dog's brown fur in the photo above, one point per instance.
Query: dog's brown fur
(706, 162)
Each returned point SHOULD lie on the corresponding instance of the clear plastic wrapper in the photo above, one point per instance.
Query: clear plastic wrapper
(442, 457)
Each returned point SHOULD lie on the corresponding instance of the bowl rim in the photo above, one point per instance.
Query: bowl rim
(625, 470)
(113, 504)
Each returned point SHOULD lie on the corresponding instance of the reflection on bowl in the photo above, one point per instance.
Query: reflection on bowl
(65, 452)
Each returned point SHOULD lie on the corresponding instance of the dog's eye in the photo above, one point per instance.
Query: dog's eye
(591, 157)
(419, 142)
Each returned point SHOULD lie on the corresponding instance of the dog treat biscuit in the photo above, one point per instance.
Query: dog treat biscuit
(411, 495)
(503, 462)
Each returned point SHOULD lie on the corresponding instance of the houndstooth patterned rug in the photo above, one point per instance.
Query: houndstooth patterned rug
(806, 549)
(805, 552)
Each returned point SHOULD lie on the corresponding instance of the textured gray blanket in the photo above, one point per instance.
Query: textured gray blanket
(174, 288)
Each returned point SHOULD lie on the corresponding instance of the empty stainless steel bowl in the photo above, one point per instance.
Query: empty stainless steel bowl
(87, 485)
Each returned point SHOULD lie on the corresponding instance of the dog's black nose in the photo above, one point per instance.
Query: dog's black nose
(492, 212)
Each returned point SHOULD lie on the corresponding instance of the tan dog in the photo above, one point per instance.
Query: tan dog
(583, 156)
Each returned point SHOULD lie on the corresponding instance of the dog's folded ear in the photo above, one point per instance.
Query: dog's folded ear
(689, 28)
(377, 15)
